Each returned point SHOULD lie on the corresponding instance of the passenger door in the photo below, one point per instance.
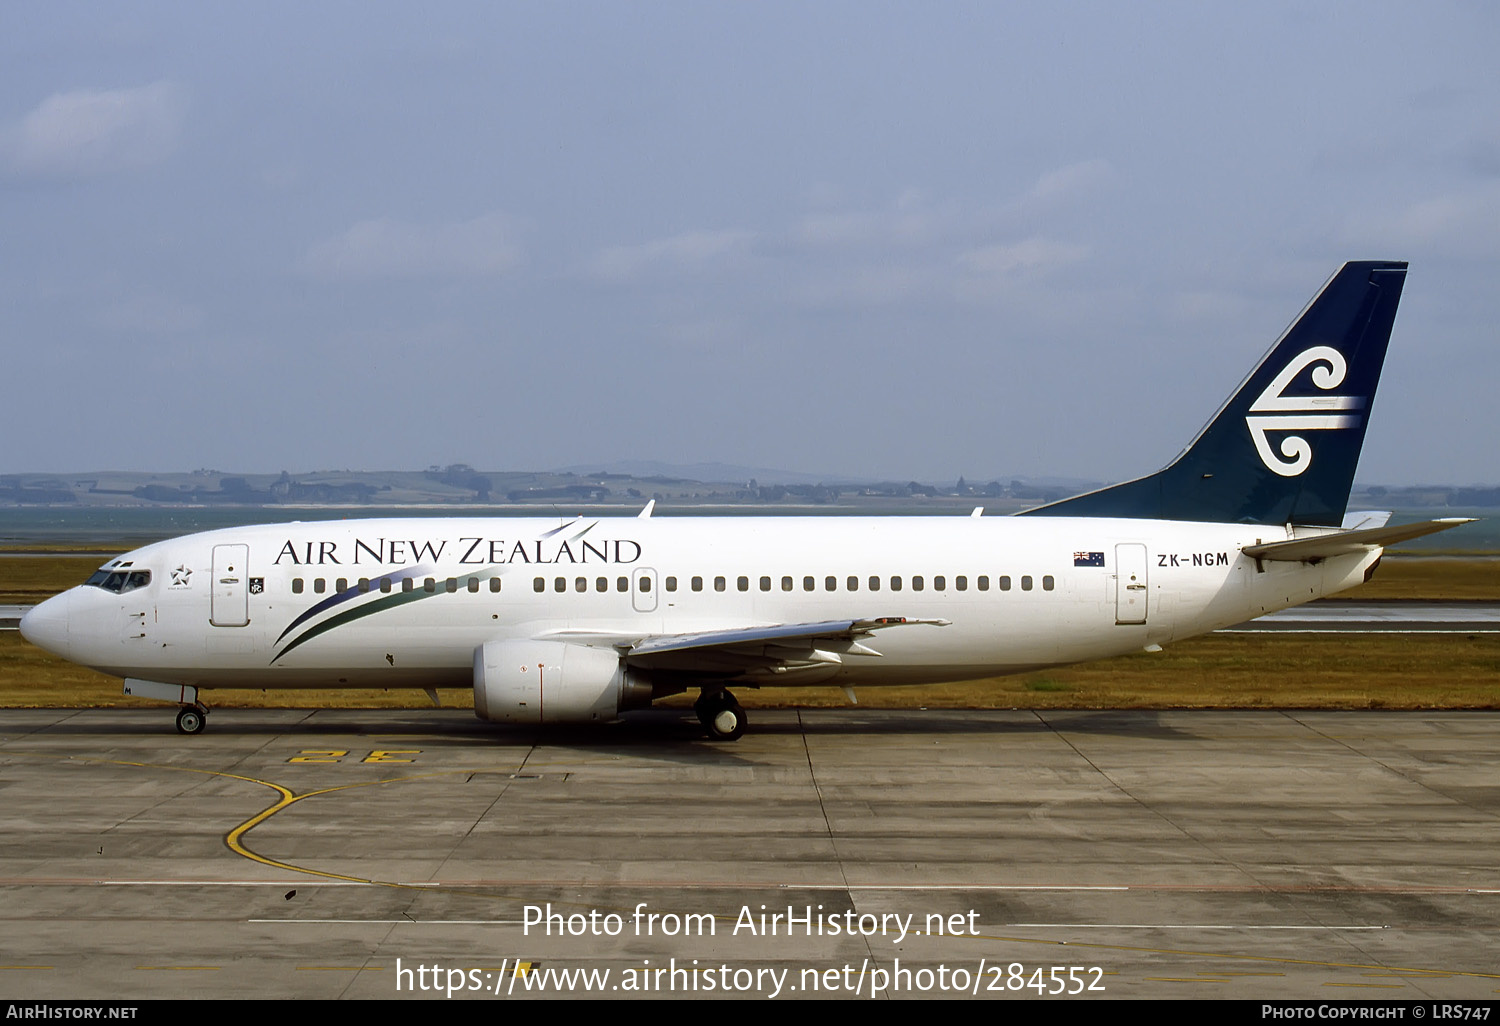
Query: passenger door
(231, 593)
(1130, 584)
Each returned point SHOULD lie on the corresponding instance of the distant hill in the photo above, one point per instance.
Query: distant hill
(625, 484)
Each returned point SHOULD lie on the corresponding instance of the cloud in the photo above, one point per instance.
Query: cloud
(88, 133)
(997, 271)
(1455, 224)
(385, 248)
(1028, 255)
(912, 248)
(1071, 182)
(685, 251)
(911, 220)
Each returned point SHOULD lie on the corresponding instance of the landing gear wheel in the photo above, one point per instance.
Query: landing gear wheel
(721, 716)
(191, 720)
(727, 724)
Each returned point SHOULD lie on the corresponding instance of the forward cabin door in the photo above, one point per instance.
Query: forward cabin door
(231, 602)
(1130, 584)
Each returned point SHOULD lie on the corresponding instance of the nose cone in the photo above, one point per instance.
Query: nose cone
(46, 625)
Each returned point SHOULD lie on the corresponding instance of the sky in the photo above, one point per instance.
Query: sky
(886, 240)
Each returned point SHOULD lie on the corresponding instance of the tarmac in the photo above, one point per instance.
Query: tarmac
(1000, 854)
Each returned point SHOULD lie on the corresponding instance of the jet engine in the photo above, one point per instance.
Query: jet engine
(539, 682)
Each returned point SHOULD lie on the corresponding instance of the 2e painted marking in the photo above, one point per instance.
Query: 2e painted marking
(339, 755)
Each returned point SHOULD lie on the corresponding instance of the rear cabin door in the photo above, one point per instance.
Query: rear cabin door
(1130, 584)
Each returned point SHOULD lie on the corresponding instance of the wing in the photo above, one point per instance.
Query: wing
(804, 650)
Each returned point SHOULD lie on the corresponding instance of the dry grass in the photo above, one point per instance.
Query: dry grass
(1427, 580)
(27, 580)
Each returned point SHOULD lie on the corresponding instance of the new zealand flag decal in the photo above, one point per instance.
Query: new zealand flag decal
(1088, 559)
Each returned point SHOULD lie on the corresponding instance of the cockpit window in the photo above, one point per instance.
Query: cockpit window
(119, 581)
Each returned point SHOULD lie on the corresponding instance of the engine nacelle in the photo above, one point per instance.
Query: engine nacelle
(535, 682)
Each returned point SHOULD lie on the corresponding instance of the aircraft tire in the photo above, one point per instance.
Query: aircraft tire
(707, 704)
(190, 720)
(727, 722)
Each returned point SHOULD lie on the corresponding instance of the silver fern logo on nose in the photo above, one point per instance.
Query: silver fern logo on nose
(1273, 411)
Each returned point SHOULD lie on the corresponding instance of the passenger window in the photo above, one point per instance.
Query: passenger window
(830, 584)
(853, 583)
(671, 584)
(494, 585)
(1025, 583)
(622, 584)
(983, 582)
(742, 583)
(786, 583)
(343, 584)
(580, 584)
(1047, 583)
(452, 585)
(697, 584)
(539, 584)
(765, 583)
(364, 584)
(961, 583)
(473, 585)
(601, 583)
(916, 584)
(559, 584)
(385, 585)
(408, 583)
(429, 585)
(645, 584)
(874, 583)
(296, 586)
(895, 584)
(939, 584)
(808, 584)
(719, 584)
(1005, 584)
(320, 585)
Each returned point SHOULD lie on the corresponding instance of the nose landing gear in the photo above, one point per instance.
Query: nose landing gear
(721, 715)
(192, 715)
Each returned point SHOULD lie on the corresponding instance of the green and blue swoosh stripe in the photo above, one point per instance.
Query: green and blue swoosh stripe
(383, 600)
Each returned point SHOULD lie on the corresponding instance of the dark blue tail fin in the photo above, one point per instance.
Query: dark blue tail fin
(1284, 448)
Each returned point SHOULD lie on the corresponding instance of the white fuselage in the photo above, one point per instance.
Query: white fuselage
(284, 605)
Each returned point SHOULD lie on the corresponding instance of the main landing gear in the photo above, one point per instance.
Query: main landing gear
(191, 719)
(720, 715)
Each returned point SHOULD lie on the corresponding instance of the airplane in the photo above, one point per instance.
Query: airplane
(568, 620)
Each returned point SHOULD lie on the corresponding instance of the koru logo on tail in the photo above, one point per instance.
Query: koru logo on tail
(1276, 412)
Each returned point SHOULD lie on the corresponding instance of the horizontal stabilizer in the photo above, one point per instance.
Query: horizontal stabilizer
(1324, 546)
